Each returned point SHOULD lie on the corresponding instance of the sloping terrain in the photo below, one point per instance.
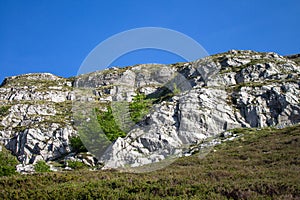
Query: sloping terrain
(260, 164)
(145, 113)
(295, 58)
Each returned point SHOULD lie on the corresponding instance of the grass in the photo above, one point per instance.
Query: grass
(261, 164)
(221, 58)
(297, 60)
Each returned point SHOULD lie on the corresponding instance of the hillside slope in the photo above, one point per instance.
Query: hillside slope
(260, 164)
(146, 113)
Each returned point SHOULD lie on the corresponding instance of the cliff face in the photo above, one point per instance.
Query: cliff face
(36, 116)
(186, 103)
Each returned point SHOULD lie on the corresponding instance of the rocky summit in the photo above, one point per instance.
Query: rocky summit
(147, 113)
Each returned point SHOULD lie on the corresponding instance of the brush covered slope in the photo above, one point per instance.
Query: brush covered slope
(259, 164)
(171, 108)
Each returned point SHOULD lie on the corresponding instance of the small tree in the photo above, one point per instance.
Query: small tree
(108, 124)
(139, 107)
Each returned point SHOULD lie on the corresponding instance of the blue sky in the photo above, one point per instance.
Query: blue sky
(56, 35)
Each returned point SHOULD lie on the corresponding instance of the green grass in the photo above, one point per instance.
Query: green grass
(237, 87)
(297, 60)
(138, 109)
(260, 164)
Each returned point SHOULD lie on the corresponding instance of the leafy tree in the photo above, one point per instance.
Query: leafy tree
(109, 125)
(139, 107)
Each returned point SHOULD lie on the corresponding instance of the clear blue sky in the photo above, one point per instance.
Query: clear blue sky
(56, 35)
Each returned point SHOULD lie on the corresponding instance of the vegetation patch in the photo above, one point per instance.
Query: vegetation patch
(20, 129)
(253, 62)
(295, 58)
(77, 145)
(139, 107)
(41, 166)
(163, 94)
(108, 124)
(260, 164)
(8, 162)
(76, 165)
(4, 110)
(141, 103)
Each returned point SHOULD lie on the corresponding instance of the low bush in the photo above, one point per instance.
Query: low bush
(76, 165)
(259, 164)
(7, 163)
(41, 166)
(77, 145)
(4, 110)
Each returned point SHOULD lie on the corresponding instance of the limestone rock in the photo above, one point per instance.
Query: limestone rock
(193, 102)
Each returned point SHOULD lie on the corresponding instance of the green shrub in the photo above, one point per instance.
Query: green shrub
(41, 166)
(7, 163)
(109, 125)
(77, 145)
(139, 107)
(4, 110)
(76, 164)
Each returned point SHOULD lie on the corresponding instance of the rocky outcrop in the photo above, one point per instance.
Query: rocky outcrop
(37, 124)
(190, 102)
(250, 90)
